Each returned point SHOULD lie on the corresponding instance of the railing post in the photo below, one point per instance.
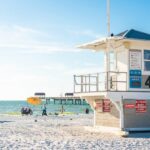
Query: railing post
(126, 82)
(85, 84)
(97, 83)
(89, 83)
(81, 83)
(74, 83)
(108, 81)
(117, 81)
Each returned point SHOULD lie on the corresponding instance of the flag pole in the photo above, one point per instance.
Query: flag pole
(108, 45)
(108, 17)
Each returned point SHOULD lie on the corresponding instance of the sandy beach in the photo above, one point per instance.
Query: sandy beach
(61, 133)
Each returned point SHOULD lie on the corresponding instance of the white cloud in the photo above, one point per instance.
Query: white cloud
(47, 49)
(54, 78)
(80, 71)
(19, 80)
(55, 67)
(25, 29)
(62, 68)
(87, 33)
(29, 41)
(16, 83)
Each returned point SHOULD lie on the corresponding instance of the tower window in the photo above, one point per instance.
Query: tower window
(146, 60)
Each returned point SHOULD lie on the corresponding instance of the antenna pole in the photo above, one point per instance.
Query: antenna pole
(108, 46)
(108, 17)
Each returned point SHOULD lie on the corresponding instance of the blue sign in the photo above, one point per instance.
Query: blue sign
(135, 79)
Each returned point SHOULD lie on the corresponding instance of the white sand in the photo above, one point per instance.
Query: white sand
(61, 133)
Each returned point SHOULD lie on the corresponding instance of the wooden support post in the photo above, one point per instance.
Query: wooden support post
(72, 101)
(97, 82)
(65, 101)
(85, 84)
(82, 84)
(89, 83)
(74, 83)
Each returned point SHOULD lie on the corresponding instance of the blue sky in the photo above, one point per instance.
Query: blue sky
(38, 41)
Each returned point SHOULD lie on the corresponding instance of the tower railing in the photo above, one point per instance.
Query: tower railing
(103, 81)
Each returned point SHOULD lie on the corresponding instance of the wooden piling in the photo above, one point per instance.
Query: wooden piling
(65, 100)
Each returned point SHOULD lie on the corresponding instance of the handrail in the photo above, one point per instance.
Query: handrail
(93, 82)
(100, 73)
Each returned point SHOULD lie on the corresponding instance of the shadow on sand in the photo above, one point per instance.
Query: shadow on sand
(140, 134)
(5, 121)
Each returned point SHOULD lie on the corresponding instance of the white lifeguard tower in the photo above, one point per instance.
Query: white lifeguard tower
(119, 96)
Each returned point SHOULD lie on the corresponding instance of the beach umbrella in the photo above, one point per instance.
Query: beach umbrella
(34, 100)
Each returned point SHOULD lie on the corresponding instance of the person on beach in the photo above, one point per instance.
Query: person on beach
(26, 111)
(62, 109)
(87, 111)
(44, 112)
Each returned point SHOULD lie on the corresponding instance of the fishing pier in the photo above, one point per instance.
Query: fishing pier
(64, 100)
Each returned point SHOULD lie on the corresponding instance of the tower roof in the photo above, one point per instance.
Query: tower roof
(134, 34)
(126, 36)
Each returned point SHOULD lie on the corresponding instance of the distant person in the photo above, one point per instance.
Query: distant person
(87, 111)
(26, 111)
(62, 109)
(44, 110)
(30, 111)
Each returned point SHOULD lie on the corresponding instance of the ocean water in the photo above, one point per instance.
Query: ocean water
(14, 107)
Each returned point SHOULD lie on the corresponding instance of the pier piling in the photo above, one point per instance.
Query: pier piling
(65, 100)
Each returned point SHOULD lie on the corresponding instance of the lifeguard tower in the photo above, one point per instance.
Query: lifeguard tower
(119, 96)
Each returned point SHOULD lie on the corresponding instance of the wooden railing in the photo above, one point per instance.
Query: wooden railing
(104, 81)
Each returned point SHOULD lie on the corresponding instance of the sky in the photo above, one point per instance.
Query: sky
(38, 40)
